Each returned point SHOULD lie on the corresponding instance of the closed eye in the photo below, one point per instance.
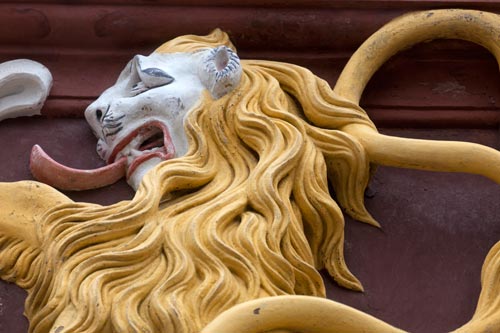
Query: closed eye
(150, 78)
(157, 75)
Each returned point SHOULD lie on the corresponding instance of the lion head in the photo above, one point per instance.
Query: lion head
(140, 119)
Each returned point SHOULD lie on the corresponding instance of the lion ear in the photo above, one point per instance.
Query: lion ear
(220, 71)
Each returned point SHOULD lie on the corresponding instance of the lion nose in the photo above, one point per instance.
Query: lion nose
(94, 114)
(98, 114)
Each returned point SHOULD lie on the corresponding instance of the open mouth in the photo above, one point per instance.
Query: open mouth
(151, 140)
(148, 141)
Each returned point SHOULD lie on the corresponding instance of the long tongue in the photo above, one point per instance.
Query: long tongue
(50, 172)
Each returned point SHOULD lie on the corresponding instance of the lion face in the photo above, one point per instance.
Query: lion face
(139, 120)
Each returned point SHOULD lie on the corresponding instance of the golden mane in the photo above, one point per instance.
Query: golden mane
(246, 213)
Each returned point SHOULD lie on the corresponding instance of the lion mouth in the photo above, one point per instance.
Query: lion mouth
(149, 141)
(146, 142)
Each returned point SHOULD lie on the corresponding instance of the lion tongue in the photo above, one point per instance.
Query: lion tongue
(48, 171)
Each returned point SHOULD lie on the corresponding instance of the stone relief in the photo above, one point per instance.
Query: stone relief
(232, 218)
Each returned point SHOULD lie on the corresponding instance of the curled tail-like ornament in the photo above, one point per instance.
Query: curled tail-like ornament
(475, 26)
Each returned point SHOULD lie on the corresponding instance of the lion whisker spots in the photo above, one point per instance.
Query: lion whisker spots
(112, 125)
(108, 134)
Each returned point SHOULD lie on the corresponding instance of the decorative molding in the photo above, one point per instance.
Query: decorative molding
(320, 35)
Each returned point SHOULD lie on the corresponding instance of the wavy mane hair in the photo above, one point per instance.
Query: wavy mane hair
(246, 213)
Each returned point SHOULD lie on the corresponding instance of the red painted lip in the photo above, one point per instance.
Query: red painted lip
(166, 152)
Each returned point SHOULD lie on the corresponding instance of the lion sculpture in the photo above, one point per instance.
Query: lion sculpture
(234, 207)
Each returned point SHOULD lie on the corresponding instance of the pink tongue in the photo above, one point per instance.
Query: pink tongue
(48, 171)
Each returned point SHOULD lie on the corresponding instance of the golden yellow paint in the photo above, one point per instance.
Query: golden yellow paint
(244, 215)
(297, 314)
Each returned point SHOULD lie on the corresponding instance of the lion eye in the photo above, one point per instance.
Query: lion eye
(150, 78)
(154, 77)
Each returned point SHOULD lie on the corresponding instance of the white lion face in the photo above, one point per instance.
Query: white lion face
(140, 119)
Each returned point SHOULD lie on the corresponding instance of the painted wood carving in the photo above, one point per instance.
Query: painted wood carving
(232, 217)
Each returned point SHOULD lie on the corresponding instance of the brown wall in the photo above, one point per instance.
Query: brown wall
(421, 271)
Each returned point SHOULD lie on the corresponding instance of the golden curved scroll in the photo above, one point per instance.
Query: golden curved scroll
(475, 26)
(297, 314)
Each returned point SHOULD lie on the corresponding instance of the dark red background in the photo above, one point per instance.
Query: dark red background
(421, 271)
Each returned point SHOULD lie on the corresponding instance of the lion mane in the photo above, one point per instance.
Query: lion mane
(246, 213)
